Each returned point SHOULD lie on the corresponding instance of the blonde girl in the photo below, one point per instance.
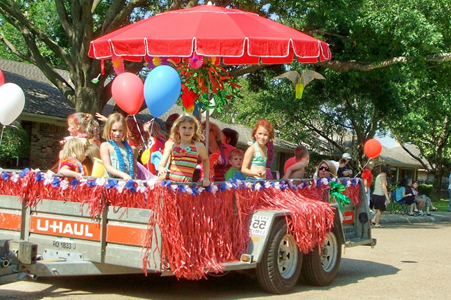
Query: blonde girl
(116, 153)
(83, 125)
(254, 162)
(72, 157)
(182, 150)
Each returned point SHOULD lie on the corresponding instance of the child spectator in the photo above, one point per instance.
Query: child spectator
(72, 156)
(236, 161)
(116, 153)
(294, 167)
(254, 163)
(182, 151)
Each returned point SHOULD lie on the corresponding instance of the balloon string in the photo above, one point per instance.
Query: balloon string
(140, 133)
(363, 167)
(1, 137)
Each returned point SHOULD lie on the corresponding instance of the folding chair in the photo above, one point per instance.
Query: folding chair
(398, 206)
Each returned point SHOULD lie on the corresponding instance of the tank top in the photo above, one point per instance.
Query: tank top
(183, 163)
(115, 161)
(378, 190)
(258, 159)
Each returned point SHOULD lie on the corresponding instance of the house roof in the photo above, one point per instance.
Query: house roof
(397, 156)
(42, 98)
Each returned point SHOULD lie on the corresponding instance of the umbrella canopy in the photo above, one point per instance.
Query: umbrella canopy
(236, 36)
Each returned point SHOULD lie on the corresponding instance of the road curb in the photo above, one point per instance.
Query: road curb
(436, 217)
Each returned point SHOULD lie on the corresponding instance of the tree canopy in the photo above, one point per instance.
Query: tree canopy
(390, 66)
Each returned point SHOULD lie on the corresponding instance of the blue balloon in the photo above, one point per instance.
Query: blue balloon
(162, 89)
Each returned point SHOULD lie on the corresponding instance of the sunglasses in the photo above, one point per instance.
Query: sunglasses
(322, 168)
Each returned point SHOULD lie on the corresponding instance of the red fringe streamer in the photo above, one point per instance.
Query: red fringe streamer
(198, 233)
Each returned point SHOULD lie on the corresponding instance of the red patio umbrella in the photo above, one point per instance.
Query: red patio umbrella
(236, 36)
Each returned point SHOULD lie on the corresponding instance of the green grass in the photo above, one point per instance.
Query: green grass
(442, 204)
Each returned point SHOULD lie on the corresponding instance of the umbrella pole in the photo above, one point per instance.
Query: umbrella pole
(207, 129)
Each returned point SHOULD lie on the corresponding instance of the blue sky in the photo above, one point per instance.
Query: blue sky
(386, 141)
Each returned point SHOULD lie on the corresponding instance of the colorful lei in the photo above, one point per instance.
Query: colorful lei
(73, 164)
(121, 159)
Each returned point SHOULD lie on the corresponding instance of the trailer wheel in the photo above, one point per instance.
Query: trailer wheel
(280, 266)
(321, 265)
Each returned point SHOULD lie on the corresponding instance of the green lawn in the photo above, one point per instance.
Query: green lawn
(442, 204)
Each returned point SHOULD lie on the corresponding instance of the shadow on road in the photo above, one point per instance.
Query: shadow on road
(230, 286)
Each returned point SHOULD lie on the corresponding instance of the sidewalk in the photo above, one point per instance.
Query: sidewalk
(392, 218)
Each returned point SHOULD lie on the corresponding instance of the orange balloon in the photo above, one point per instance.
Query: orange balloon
(372, 148)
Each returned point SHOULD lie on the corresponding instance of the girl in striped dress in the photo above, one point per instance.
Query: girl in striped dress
(182, 151)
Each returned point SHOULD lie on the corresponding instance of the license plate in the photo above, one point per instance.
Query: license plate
(64, 244)
(260, 224)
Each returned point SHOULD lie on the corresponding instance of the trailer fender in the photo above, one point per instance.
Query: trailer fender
(260, 227)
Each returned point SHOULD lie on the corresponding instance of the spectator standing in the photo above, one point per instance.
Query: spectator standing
(367, 177)
(380, 196)
(345, 171)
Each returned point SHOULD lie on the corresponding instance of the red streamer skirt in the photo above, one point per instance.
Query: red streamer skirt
(200, 230)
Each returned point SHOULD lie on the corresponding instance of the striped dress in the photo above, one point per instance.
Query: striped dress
(183, 163)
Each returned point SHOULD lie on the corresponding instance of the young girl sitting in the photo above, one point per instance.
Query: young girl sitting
(72, 156)
(183, 149)
(254, 162)
(116, 153)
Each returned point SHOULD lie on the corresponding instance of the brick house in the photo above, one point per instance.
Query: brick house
(44, 115)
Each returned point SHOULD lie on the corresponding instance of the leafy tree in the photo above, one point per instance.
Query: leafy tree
(56, 34)
(425, 121)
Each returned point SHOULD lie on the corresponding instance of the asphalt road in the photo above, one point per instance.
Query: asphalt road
(411, 261)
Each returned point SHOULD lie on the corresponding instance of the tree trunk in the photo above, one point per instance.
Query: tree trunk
(437, 189)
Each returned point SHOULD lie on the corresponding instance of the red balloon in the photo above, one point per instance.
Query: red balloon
(2, 78)
(373, 148)
(127, 90)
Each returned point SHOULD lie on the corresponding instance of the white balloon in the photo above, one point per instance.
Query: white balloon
(12, 102)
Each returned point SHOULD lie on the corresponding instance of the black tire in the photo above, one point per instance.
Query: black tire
(280, 266)
(319, 268)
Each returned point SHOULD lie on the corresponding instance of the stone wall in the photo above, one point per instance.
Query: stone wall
(44, 145)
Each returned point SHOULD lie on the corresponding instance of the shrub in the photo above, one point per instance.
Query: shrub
(14, 145)
(425, 189)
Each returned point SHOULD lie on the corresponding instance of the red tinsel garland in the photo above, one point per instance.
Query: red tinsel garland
(353, 193)
(199, 233)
